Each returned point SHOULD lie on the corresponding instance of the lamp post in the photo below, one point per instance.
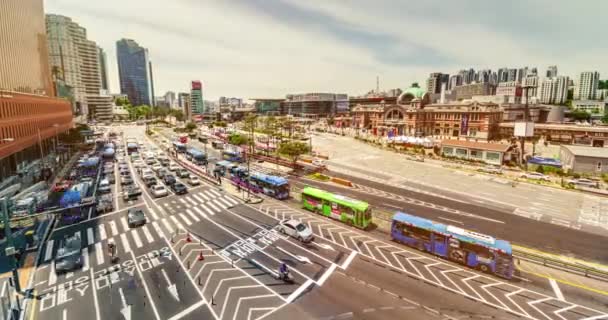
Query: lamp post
(10, 247)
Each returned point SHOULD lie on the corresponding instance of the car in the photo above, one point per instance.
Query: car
(104, 186)
(69, 255)
(179, 188)
(159, 191)
(164, 162)
(126, 180)
(126, 172)
(318, 163)
(296, 229)
(139, 164)
(183, 173)
(150, 161)
(535, 176)
(105, 203)
(490, 169)
(150, 181)
(161, 173)
(173, 166)
(156, 167)
(146, 172)
(169, 179)
(131, 192)
(583, 183)
(194, 181)
(136, 217)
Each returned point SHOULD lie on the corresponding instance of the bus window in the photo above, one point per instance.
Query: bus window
(420, 233)
(483, 254)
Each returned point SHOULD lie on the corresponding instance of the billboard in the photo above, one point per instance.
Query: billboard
(197, 85)
(524, 129)
(342, 106)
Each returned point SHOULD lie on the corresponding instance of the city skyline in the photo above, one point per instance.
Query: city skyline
(183, 49)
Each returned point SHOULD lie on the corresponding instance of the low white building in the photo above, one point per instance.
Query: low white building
(595, 108)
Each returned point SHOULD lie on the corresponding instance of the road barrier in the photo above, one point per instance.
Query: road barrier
(586, 271)
(343, 182)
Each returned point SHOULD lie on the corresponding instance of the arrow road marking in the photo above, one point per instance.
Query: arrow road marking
(172, 287)
(323, 246)
(297, 257)
(126, 309)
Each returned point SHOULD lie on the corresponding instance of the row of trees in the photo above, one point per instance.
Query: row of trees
(148, 112)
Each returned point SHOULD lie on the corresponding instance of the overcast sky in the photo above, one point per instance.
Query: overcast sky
(269, 48)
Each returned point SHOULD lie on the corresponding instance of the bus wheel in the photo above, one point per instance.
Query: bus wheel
(349, 222)
(484, 268)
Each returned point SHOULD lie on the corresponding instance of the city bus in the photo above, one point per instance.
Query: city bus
(272, 186)
(463, 246)
(232, 155)
(196, 156)
(179, 147)
(353, 212)
(132, 147)
(221, 167)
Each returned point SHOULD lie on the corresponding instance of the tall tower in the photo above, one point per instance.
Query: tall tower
(134, 72)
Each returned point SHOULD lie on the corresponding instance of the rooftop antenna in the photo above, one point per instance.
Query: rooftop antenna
(377, 84)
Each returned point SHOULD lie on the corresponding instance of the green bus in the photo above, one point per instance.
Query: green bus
(350, 211)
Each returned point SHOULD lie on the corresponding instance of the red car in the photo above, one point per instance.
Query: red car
(62, 186)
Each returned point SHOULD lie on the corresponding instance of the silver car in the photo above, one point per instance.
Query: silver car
(296, 229)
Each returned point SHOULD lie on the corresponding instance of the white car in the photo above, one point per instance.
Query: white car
(583, 183)
(193, 181)
(139, 164)
(156, 167)
(159, 191)
(146, 172)
(318, 163)
(174, 166)
(296, 229)
(535, 176)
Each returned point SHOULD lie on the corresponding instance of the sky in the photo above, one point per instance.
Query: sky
(270, 48)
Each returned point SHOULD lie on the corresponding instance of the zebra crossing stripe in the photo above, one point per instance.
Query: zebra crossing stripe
(183, 216)
(148, 234)
(217, 194)
(157, 228)
(201, 212)
(90, 238)
(182, 200)
(85, 259)
(222, 200)
(202, 194)
(174, 220)
(199, 198)
(136, 238)
(49, 250)
(231, 200)
(102, 232)
(125, 226)
(125, 242)
(192, 201)
(99, 253)
(210, 203)
(191, 214)
(113, 228)
(153, 213)
(164, 221)
(52, 275)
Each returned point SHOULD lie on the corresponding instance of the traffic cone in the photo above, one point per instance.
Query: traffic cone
(188, 239)
(200, 256)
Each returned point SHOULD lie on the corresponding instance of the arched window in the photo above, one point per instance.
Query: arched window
(394, 115)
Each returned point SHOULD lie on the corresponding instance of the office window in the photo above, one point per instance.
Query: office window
(599, 166)
(461, 152)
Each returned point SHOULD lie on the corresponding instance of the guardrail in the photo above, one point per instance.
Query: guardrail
(586, 271)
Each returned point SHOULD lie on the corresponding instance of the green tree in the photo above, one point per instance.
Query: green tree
(605, 118)
(122, 101)
(293, 149)
(238, 139)
(190, 126)
(178, 114)
(580, 115)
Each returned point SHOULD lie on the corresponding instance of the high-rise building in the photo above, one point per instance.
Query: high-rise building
(531, 84)
(455, 81)
(521, 74)
(31, 116)
(551, 72)
(152, 83)
(587, 85)
(197, 105)
(103, 68)
(534, 71)
(483, 76)
(134, 72)
(76, 59)
(554, 90)
(170, 99)
(24, 62)
(512, 75)
(468, 76)
(183, 100)
(503, 75)
(434, 82)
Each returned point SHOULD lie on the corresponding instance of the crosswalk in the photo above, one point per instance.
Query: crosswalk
(95, 238)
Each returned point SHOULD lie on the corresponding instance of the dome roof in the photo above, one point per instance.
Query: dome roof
(417, 92)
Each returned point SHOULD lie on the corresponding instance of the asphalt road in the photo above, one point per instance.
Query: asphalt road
(208, 255)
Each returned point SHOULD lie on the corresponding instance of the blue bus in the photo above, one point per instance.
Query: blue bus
(463, 246)
(273, 186)
(179, 147)
(230, 155)
(196, 156)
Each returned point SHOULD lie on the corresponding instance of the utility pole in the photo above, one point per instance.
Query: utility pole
(526, 119)
(10, 247)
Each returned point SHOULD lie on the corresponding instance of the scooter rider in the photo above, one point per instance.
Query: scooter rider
(283, 270)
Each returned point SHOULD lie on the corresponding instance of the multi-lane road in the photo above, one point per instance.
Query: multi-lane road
(209, 255)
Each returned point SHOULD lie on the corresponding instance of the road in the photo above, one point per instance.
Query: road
(208, 255)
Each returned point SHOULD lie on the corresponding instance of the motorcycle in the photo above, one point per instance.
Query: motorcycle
(286, 276)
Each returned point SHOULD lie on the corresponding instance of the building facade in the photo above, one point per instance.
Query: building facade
(475, 89)
(197, 104)
(103, 69)
(531, 85)
(315, 104)
(134, 72)
(183, 100)
(554, 90)
(435, 82)
(551, 72)
(587, 85)
(268, 106)
(584, 159)
(597, 109)
(412, 114)
(596, 136)
(24, 62)
(509, 88)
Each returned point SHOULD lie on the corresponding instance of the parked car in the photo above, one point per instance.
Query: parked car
(159, 191)
(296, 229)
(174, 166)
(156, 167)
(584, 183)
(535, 176)
(490, 169)
(169, 179)
(164, 162)
(161, 173)
(194, 181)
(136, 217)
(146, 172)
(150, 181)
(183, 173)
(110, 177)
(150, 161)
(104, 186)
(126, 180)
(139, 164)
(105, 203)
(131, 192)
(179, 188)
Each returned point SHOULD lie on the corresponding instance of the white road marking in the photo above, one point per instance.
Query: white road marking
(97, 312)
(188, 310)
(113, 228)
(85, 259)
(153, 213)
(192, 215)
(199, 198)
(125, 242)
(222, 200)
(182, 200)
(124, 223)
(202, 194)
(199, 211)
(52, 275)
(299, 291)
(137, 239)
(167, 225)
(183, 216)
(102, 232)
(232, 201)
(326, 275)
(210, 203)
(174, 220)
(194, 203)
(99, 253)
(451, 220)
(157, 228)
(90, 237)
(148, 234)
(556, 289)
(142, 281)
(217, 194)
(49, 250)
(65, 314)
(348, 260)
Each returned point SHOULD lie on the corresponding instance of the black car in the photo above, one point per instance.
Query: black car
(150, 181)
(179, 188)
(169, 179)
(136, 217)
(164, 162)
(126, 180)
(131, 192)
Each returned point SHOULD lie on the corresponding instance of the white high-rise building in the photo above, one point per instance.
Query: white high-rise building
(531, 84)
(554, 90)
(587, 85)
(551, 72)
